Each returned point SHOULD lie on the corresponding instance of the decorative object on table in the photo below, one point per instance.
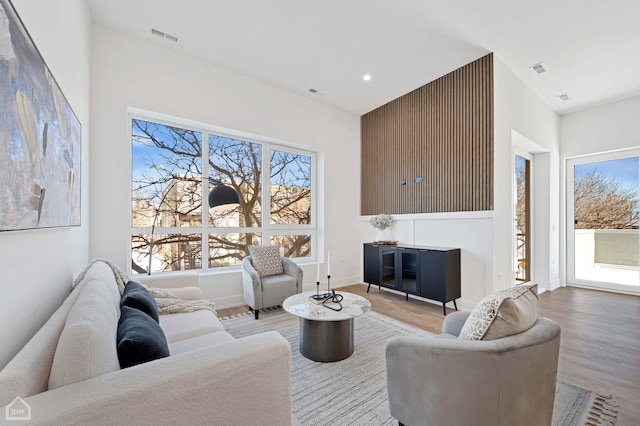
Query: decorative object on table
(220, 195)
(363, 390)
(382, 223)
(40, 136)
(320, 298)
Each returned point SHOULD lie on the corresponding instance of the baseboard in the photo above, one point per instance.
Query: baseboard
(554, 285)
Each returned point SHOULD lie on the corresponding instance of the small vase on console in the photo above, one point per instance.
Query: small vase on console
(382, 223)
(384, 235)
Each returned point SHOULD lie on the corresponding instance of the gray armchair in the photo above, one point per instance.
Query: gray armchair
(265, 292)
(445, 381)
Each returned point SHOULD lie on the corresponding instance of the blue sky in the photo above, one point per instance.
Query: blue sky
(623, 170)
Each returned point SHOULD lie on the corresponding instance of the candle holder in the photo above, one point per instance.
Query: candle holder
(319, 298)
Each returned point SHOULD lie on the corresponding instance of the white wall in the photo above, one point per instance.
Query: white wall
(605, 128)
(518, 111)
(132, 72)
(38, 266)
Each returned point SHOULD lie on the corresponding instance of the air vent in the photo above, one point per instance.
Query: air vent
(564, 97)
(312, 90)
(164, 35)
(539, 68)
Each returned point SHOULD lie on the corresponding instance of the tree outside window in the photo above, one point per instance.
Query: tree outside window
(170, 177)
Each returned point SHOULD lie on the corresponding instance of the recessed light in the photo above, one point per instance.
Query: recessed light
(366, 77)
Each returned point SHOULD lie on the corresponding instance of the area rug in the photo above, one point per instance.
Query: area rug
(353, 391)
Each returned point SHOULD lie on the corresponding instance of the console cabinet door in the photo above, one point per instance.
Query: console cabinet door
(372, 266)
(409, 271)
(440, 275)
(389, 261)
(432, 276)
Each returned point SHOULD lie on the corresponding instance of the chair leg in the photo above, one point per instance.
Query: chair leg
(255, 311)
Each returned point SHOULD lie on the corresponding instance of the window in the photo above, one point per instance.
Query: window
(173, 170)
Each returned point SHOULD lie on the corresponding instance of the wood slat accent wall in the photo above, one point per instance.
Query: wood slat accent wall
(442, 132)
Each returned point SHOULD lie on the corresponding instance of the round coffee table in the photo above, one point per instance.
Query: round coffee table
(326, 335)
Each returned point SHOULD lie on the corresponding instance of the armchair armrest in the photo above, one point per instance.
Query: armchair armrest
(291, 268)
(454, 322)
(251, 287)
(205, 386)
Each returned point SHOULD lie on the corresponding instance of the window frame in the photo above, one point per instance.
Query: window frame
(266, 230)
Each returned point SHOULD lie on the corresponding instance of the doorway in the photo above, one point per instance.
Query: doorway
(522, 217)
(603, 241)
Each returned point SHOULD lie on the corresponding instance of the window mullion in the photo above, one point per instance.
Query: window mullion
(266, 193)
(205, 201)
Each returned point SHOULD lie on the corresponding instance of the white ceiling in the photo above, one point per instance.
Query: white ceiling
(591, 47)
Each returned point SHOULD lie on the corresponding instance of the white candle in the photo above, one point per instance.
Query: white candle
(318, 272)
(328, 263)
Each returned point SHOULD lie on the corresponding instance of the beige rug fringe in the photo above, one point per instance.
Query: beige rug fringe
(603, 411)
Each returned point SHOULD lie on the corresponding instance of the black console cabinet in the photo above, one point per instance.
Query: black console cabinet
(429, 272)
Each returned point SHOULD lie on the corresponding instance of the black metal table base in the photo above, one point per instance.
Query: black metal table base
(326, 341)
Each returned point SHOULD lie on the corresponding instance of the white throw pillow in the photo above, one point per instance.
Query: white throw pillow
(502, 314)
(266, 260)
(87, 344)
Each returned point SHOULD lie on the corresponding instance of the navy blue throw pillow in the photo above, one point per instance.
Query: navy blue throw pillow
(136, 296)
(140, 338)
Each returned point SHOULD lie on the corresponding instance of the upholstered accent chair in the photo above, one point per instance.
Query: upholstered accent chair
(446, 380)
(264, 291)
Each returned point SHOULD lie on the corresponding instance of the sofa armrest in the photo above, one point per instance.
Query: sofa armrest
(184, 293)
(168, 281)
(454, 322)
(246, 381)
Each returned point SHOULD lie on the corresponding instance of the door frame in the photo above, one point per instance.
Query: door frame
(570, 277)
(520, 152)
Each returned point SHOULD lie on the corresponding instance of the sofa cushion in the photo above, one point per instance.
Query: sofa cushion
(140, 339)
(86, 347)
(206, 340)
(136, 296)
(266, 260)
(186, 325)
(502, 314)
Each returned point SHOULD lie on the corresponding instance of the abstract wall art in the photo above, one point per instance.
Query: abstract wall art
(40, 137)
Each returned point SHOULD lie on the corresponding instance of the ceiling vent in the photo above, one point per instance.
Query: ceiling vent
(312, 90)
(539, 68)
(564, 97)
(164, 35)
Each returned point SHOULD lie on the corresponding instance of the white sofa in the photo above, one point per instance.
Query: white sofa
(209, 377)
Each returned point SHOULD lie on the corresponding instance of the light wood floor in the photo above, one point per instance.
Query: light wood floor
(600, 341)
